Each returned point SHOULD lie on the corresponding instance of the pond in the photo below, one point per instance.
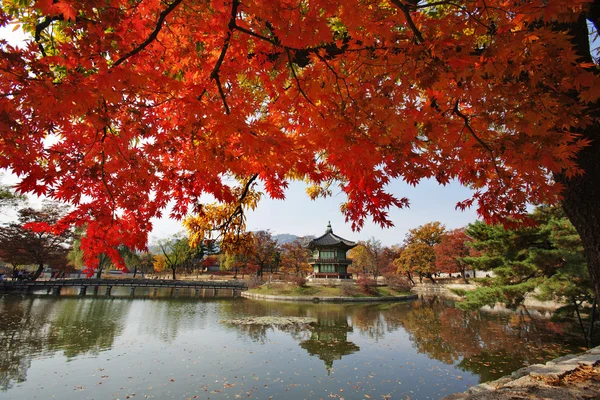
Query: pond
(185, 348)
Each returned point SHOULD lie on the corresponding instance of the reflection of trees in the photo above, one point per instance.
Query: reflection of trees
(489, 345)
(370, 320)
(486, 344)
(86, 326)
(21, 334)
(166, 318)
(329, 338)
(32, 327)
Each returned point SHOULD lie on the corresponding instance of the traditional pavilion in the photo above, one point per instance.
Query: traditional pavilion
(329, 256)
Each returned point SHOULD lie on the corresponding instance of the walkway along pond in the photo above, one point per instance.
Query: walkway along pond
(56, 286)
(72, 347)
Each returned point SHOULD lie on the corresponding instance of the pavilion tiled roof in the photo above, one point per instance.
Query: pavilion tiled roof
(329, 239)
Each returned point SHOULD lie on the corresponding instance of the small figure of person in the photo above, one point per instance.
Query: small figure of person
(2, 277)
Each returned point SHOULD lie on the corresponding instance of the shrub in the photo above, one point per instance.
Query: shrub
(348, 291)
(366, 286)
(398, 283)
(253, 281)
(299, 281)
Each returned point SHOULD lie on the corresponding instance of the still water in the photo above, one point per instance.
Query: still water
(183, 348)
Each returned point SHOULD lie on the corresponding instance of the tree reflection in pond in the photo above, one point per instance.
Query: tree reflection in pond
(32, 328)
(389, 348)
(488, 344)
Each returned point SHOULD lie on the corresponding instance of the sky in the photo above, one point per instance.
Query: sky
(298, 215)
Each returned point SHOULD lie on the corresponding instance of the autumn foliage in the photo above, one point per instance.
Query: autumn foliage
(120, 107)
(451, 251)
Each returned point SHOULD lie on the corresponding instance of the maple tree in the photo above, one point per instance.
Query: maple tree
(294, 257)
(451, 251)
(263, 251)
(368, 257)
(118, 107)
(419, 254)
(23, 242)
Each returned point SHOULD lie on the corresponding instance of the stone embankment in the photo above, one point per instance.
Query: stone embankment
(318, 299)
(569, 377)
(445, 290)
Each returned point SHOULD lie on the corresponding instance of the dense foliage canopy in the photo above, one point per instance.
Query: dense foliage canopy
(119, 107)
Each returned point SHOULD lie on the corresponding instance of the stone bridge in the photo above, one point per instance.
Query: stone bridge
(55, 286)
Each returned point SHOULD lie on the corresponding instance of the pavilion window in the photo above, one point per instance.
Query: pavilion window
(327, 254)
(327, 268)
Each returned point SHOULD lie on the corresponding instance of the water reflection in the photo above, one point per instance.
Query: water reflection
(33, 328)
(488, 344)
(329, 337)
(345, 338)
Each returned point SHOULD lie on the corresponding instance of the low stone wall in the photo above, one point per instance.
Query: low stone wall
(445, 290)
(569, 377)
(318, 299)
(441, 289)
(329, 282)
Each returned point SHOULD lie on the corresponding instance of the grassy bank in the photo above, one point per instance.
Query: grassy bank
(323, 291)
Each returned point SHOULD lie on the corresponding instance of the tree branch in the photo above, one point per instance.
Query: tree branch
(477, 138)
(215, 72)
(39, 28)
(239, 210)
(296, 77)
(153, 35)
(411, 24)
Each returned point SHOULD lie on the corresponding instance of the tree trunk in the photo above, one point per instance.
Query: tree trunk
(409, 276)
(173, 269)
(582, 193)
(134, 271)
(582, 205)
(99, 273)
(38, 272)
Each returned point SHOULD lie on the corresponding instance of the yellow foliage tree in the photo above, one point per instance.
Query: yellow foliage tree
(159, 263)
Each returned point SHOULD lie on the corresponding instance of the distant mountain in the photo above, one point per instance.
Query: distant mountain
(284, 238)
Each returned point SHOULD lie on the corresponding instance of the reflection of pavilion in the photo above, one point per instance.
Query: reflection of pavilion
(329, 339)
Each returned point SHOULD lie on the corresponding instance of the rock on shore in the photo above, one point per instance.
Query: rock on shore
(569, 377)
